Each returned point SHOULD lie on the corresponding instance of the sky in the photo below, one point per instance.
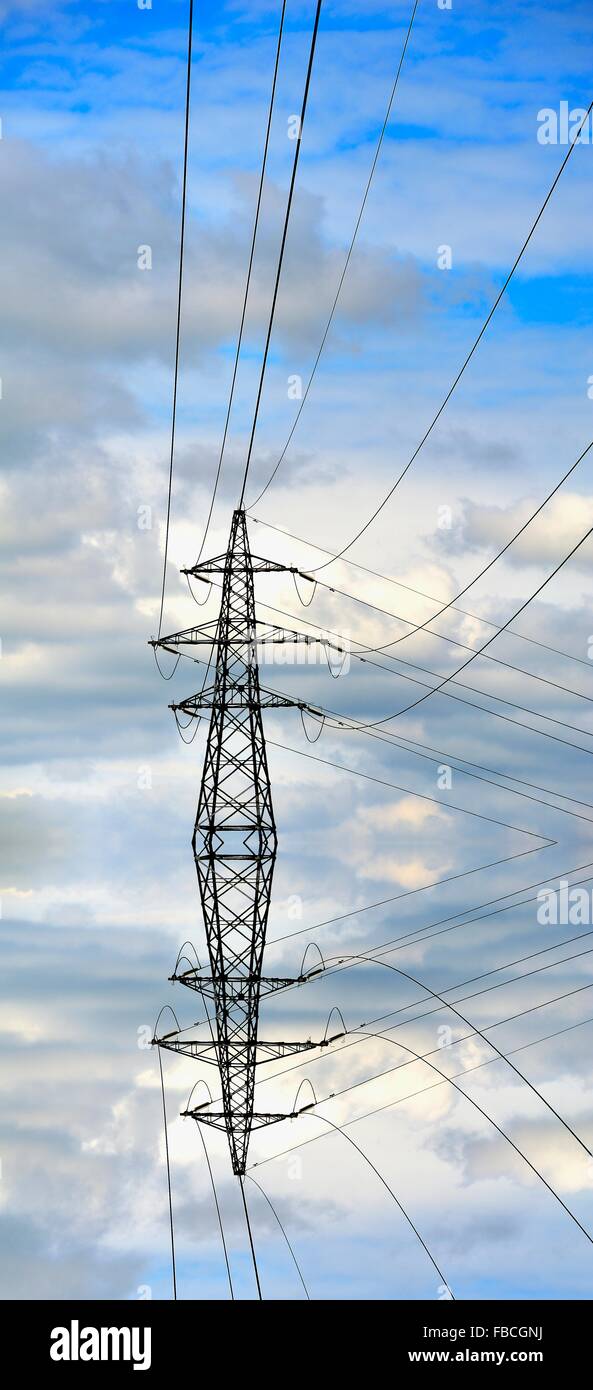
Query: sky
(98, 794)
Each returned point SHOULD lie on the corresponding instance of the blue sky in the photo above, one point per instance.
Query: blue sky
(98, 795)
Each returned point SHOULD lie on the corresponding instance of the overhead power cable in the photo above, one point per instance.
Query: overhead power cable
(470, 354)
(355, 772)
(392, 1194)
(337, 720)
(448, 1080)
(453, 1008)
(410, 892)
(365, 655)
(363, 1028)
(401, 1066)
(173, 1266)
(499, 1129)
(248, 280)
(179, 298)
(431, 632)
(252, 1246)
(413, 745)
(282, 249)
(282, 1228)
(448, 1004)
(420, 593)
(435, 691)
(401, 1100)
(421, 627)
(216, 1203)
(348, 257)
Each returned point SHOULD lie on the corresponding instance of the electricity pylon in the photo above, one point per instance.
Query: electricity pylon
(234, 840)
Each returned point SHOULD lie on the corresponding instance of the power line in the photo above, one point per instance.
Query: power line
(470, 354)
(383, 1180)
(383, 1035)
(411, 745)
(355, 772)
(248, 280)
(348, 257)
(253, 1255)
(399, 584)
(363, 1027)
(173, 1267)
(412, 1096)
(441, 636)
(410, 892)
(472, 704)
(488, 694)
(282, 248)
(282, 1228)
(499, 1129)
(447, 1004)
(422, 796)
(179, 298)
(216, 1203)
(450, 1081)
(413, 705)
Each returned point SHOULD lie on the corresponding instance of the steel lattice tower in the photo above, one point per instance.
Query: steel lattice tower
(234, 840)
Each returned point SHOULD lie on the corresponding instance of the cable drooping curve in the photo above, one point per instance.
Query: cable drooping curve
(399, 584)
(275, 1213)
(413, 705)
(173, 1266)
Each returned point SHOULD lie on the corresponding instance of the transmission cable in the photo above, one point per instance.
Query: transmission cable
(441, 636)
(348, 257)
(449, 1080)
(355, 772)
(420, 627)
(179, 298)
(470, 354)
(447, 1004)
(282, 247)
(253, 1255)
(399, 584)
(248, 280)
(497, 1127)
(435, 691)
(401, 1066)
(383, 1180)
(472, 704)
(275, 1213)
(218, 1212)
(173, 1267)
(367, 1114)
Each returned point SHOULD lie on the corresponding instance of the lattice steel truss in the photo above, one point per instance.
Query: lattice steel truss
(235, 840)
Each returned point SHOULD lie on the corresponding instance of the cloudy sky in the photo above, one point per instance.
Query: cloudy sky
(98, 793)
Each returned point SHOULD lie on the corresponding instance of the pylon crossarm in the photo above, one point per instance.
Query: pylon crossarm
(240, 698)
(205, 1050)
(217, 1119)
(264, 634)
(235, 985)
(258, 566)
